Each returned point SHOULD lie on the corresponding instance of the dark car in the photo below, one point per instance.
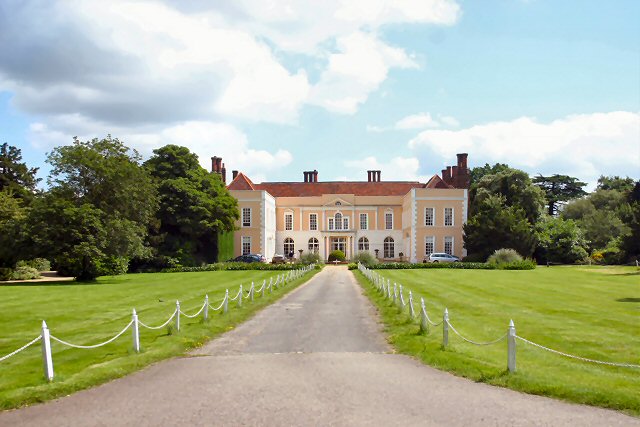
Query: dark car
(249, 258)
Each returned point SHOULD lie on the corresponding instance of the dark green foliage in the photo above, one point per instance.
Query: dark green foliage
(559, 189)
(15, 177)
(365, 258)
(337, 255)
(235, 266)
(496, 225)
(560, 241)
(195, 206)
(523, 264)
(5, 273)
(623, 185)
(12, 223)
(225, 246)
(451, 265)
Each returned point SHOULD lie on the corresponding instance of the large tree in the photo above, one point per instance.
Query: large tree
(560, 241)
(15, 176)
(195, 206)
(623, 185)
(496, 225)
(559, 189)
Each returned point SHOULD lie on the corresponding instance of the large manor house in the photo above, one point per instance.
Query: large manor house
(392, 220)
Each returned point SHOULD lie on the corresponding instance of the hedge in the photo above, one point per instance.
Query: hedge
(526, 264)
(233, 266)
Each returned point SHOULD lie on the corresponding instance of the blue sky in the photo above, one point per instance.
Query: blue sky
(279, 87)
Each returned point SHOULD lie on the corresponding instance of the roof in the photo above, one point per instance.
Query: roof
(436, 182)
(310, 189)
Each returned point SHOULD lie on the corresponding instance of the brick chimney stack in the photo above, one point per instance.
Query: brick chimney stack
(218, 167)
(373, 176)
(234, 174)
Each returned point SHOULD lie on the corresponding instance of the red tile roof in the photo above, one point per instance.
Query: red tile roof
(308, 189)
(437, 182)
(241, 182)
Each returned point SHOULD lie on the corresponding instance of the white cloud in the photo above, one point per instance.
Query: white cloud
(417, 121)
(582, 145)
(360, 66)
(396, 169)
(449, 121)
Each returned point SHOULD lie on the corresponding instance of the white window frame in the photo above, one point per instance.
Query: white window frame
(452, 217)
(345, 222)
(285, 243)
(363, 244)
(429, 240)
(246, 223)
(246, 240)
(448, 239)
(364, 216)
(331, 224)
(433, 217)
(386, 225)
(313, 245)
(313, 224)
(338, 221)
(290, 216)
(392, 244)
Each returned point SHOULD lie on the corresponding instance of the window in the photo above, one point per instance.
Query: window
(338, 222)
(246, 217)
(429, 216)
(339, 244)
(364, 221)
(388, 247)
(448, 216)
(288, 221)
(363, 244)
(289, 247)
(313, 221)
(246, 245)
(314, 246)
(388, 221)
(429, 245)
(331, 226)
(345, 223)
(448, 245)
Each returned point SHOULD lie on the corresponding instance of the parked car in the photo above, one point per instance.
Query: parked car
(441, 257)
(278, 259)
(249, 258)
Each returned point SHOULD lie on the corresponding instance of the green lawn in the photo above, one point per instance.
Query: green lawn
(592, 312)
(92, 313)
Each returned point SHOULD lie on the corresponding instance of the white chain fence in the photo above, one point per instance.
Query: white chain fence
(398, 299)
(46, 336)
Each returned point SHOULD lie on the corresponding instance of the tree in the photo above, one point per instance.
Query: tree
(12, 216)
(15, 176)
(496, 225)
(517, 190)
(194, 206)
(106, 174)
(623, 185)
(560, 240)
(558, 189)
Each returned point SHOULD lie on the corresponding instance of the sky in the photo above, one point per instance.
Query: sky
(277, 87)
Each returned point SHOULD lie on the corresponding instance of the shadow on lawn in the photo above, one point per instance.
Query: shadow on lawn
(628, 300)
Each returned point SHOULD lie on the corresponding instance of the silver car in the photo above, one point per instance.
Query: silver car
(442, 257)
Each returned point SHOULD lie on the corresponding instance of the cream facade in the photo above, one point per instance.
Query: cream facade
(392, 220)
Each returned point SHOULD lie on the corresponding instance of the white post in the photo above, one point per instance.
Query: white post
(251, 292)
(240, 296)
(264, 285)
(177, 315)
(424, 325)
(270, 284)
(225, 303)
(445, 328)
(205, 314)
(511, 344)
(47, 361)
(395, 293)
(412, 313)
(135, 332)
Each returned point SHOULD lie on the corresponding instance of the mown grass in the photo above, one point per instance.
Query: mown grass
(592, 312)
(94, 312)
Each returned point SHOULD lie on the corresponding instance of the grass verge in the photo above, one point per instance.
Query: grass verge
(586, 311)
(94, 312)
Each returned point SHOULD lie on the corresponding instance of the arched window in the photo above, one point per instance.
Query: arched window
(289, 247)
(363, 244)
(338, 221)
(314, 246)
(389, 247)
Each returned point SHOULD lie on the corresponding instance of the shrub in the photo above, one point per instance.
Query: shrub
(310, 258)
(5, 274)
(504, 256)
(352, 266)
(524, 264)
(40, 264)
(473, 258)
(112, 265)
(364, 258)
(337, 255)
(451, 265)
(25, 273)
(235, 266)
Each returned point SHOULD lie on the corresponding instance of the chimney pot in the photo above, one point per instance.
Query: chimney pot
(315, 175)
(214, 164)
(234, 174)
(379, 177)
(462, 160)
(223, 174)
